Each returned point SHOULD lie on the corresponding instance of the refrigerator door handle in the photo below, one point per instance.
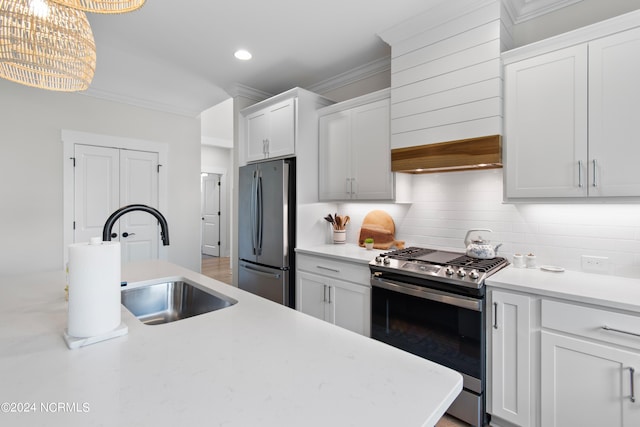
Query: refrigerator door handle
(253, 212)
(260, 272)
(260, 216)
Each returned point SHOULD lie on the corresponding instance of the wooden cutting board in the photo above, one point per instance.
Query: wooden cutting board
(379, 226)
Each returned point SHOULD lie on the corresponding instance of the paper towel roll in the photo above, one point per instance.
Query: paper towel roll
(94, 288)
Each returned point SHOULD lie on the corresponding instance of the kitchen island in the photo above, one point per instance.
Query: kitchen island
(255, 363)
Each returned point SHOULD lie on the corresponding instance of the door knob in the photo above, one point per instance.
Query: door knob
(125, 234)
(114, 235)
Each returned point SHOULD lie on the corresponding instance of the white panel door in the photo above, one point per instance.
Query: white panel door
(139, 232)
(96, 189)
(335, 140)
(106, 179)
(282, 129)
(371, 152)
(257, 135)
(614, 88)
(546, 125)
(511, 357)
(311, 295)
(211, 214)
(587, 384)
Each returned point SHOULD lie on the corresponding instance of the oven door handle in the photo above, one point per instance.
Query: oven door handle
(430, 294)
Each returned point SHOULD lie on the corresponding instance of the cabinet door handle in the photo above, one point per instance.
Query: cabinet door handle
(329, 290)
(324, 293)
(495, 315)
(580, 173)
(327, 268)
(606, 328)
(595, 182)
(632, 372)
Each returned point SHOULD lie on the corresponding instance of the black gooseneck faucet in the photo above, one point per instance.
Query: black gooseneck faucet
(108, 226)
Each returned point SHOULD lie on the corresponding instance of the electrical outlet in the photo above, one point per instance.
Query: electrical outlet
(595, 264)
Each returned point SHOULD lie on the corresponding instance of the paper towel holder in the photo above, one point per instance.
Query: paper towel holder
(108, 225)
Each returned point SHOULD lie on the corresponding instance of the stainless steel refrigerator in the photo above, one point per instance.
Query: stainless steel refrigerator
(266, 230)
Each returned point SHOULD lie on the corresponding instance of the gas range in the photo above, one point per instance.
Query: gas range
(453, 268)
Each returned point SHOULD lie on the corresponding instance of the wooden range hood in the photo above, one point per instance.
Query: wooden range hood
(464, 154)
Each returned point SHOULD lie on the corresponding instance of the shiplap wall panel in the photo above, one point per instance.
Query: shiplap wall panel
(453, 131)
(447, 98)
(485, 33)
(445, 82)
(446, 79)
(485, 108)
(443, 28)
(442, 65)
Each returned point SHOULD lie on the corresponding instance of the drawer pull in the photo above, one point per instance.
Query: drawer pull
(606, 328)
(327, 268)
(633, 391)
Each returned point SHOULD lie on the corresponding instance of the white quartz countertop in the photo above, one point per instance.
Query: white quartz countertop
(256, 363)
(604, 290)
(343, 252)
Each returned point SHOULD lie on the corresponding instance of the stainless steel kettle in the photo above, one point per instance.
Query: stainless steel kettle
(480, 248)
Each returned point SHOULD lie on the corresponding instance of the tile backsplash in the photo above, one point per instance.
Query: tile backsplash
(446, 205)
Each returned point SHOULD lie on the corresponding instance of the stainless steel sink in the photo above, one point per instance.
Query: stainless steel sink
(170, 301)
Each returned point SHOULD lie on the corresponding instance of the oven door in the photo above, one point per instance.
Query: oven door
(439, 326)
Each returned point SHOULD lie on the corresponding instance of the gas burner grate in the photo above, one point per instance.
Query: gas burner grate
(408, 253)
(483, 265)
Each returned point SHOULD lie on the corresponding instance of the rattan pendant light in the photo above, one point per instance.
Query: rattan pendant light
(103, 6)
(46, 45)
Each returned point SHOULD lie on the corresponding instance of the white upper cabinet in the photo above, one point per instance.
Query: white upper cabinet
(546, 125)
(614, 115)
(355, 155)
(570, 119)
(271, 131)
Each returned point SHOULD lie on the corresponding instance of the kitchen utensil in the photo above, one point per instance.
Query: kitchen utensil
(480, 248)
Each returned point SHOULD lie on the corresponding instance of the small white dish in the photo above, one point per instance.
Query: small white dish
(551, 268)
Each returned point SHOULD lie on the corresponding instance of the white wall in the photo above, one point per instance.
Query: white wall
(220, 160)
(446, 205)
(31, 121)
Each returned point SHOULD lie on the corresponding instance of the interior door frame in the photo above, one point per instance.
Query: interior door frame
(70, 138)
(225, 209)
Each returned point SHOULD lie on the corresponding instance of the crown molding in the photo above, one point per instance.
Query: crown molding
(137, 102)
(523, 10)
(238, 89)
(356, 74)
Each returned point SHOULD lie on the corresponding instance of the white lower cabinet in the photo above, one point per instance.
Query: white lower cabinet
(511, 344)
(590, 379)
(324, 294)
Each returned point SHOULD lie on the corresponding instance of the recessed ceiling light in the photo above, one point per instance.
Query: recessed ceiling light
(243, 54)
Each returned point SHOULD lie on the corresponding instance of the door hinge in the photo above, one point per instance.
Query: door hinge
(219, 184)
(159, 167)
(74, 161)
(218, 242)
(218, 213)
(74, 225)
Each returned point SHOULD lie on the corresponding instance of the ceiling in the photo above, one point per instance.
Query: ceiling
(178, 56)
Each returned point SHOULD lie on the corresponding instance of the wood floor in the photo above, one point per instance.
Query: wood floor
(219, 269)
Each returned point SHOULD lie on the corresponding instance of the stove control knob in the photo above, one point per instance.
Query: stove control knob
(378, 259)
(461, 273)
(386, 261)
(449, 271)
(474, 274)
